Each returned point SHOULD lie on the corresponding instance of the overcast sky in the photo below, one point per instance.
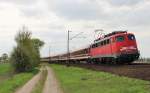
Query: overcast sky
(49, 21)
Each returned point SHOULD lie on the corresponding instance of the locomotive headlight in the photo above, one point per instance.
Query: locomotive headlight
(132, 47)
(123, 48)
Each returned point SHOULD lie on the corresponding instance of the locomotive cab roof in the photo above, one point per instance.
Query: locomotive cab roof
(110, 34)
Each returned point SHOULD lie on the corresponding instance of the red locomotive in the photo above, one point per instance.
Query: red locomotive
(118, 46)
(115, 47)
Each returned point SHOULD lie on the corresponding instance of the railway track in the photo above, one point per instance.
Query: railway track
(134, 70)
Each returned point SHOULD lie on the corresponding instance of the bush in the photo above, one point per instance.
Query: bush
(20, 60)
(25, 55)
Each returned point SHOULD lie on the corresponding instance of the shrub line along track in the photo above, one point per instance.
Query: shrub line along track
(134, 70)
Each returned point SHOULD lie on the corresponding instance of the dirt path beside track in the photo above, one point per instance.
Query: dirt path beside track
(51, 83)
(29, 86)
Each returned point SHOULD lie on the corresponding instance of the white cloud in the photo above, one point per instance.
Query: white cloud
(77, 9)
(22, 2)
(124, 2)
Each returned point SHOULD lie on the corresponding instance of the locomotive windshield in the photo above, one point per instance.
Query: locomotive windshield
(131, 37)
(120, 38)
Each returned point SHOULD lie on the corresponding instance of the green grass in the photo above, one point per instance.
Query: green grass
(40, 84)
(79, 80)
(11, 84)
(5, 71)
(5, 68)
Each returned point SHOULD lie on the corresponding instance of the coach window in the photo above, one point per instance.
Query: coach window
(105, 42)
(96, 45)
(99, 44)
(102, 43)
(93, 46)
(108, 41)
(120, 38)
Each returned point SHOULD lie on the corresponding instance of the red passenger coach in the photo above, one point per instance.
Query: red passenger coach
(118, 46)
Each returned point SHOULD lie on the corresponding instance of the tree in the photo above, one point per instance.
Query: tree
(37, 44)
(4, 57)
(20, 60)
(25, 55)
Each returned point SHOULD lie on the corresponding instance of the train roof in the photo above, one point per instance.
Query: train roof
(110, 34)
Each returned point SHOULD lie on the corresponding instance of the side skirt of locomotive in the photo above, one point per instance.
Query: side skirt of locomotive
(114, 59)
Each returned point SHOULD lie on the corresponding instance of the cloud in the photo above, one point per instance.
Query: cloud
(22, 2)
(129, 16)
(124, 2)
(140, 17)
(35, 10)
(77, 9)
(102, 12)
(31, 12)
(28, 8)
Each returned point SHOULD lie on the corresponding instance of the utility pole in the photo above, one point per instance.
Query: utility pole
(68, 48)
(68, 45)
(49, 54)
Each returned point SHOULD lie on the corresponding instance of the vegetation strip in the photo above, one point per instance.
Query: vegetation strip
(40, 84)
(10, 85)
(5, 71)
(80, 80)
(5, 68)
(11, 81)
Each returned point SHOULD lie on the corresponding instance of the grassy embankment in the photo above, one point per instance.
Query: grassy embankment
(79, 80)
(11, 83)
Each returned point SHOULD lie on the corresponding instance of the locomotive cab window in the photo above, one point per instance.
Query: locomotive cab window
(120, 38)
(131, 37)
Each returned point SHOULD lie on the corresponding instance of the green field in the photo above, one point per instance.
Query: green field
(12, 82)
(5, 71)
(79, 80)
(5, 68)
(10, 85)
